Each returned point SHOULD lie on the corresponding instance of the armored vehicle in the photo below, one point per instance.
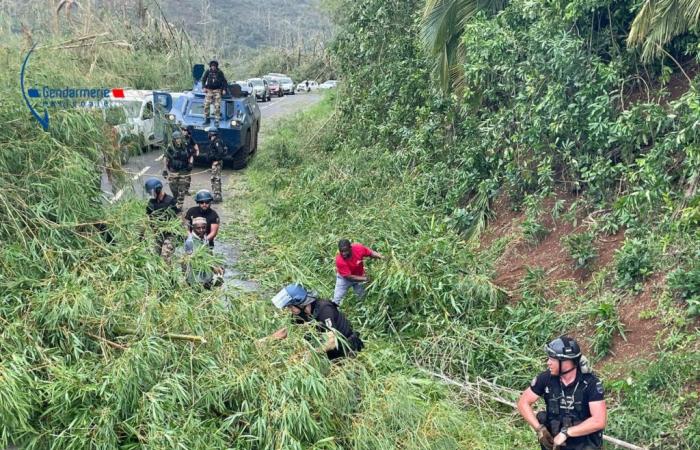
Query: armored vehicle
(239, 123)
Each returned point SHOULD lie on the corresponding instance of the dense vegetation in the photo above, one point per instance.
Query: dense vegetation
(103, 345)
(555, 118)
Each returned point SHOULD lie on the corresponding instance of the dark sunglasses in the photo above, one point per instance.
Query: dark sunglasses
(203, 203)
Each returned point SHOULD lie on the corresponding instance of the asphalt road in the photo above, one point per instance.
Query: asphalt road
(147, 165)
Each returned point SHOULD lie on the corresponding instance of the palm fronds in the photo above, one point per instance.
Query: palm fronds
(659, 21)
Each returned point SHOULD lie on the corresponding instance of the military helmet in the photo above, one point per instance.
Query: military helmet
(212, 131)
(203, 196)
(214, 62)
(293, 295)
(153, 185)
(177, 135)
(563, 348)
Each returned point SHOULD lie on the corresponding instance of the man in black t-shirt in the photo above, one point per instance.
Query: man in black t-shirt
(204, 199)
(575, 413)
(161, 206)
(341, 340)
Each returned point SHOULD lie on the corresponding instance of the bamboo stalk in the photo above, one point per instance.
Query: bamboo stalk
(470, 387)
(173, 336)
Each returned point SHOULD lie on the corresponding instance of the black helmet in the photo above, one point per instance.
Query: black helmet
(177, 135)
(214, 62)
(153, 185)
(563, 348)
(203, 196)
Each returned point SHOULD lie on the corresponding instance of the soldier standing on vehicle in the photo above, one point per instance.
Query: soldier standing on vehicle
(350, 270)
(575, 413)
(214, 84)
(161, 207)
(217, 151)
(178, 160)
(203, 199)
(340, 339)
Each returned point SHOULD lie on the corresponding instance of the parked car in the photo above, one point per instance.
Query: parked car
(245, 86)
(139, 115)
(260, 88)
(275, 88)
(329, 84)
(287, 85)
(301, 87)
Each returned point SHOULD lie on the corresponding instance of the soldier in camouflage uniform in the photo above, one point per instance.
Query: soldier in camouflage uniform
(161, 207)
(214, 84)
(217, 151)
(178, 160)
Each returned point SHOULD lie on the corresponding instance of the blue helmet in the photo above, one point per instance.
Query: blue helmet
(293, 295)
(153, 185)
(203, 196)
(213, 131)
(177, 135)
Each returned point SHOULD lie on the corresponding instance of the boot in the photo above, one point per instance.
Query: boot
(206, 121)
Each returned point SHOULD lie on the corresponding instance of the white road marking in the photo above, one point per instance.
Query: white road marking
(159, 158)
(144, 170)
(117, 196)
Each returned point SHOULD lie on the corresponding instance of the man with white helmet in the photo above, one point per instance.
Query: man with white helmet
(574, 398)
(341, 340)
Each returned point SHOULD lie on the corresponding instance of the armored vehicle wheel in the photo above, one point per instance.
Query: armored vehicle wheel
(255, 142)
(240, 160)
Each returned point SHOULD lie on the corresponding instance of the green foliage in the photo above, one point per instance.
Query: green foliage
(534, 230)
(634, 262)
(685, 283)
(607, 325)
(581, 248)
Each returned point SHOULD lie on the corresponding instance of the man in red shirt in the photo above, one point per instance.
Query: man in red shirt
(350, 269)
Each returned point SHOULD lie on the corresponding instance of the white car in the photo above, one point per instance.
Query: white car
(301, 87)
(246, 86)
(287, 85)
(329, 84)
(261, 89)
(140, 117)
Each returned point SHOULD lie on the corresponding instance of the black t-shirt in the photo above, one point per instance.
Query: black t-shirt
(164, 209)
(211, 216)
(328, 318)
(545, 385)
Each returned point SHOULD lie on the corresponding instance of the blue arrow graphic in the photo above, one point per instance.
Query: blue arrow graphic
(43, 121)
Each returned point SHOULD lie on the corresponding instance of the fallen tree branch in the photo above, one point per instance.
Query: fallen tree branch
(470, 387)
(107, 341)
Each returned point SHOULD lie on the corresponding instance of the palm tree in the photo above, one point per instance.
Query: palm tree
(659, 21)
(441, 32)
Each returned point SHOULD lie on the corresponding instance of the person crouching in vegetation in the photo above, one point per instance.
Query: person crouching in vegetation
(211, 275)
(161, 207)
(340, 339)
(350, 270)
(575, 414)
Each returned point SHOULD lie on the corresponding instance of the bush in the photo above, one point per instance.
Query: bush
(685, 283)
(581, 248)
(634, 262)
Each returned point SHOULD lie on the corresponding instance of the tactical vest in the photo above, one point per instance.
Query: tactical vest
(558, 418)
(178, 157)
(214, 80)
(217, 150)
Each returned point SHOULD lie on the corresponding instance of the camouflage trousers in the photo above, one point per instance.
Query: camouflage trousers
(215, 97)
(216, 180)
(179, 185)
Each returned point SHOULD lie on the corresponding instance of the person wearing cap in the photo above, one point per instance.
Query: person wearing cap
(197, 239)
(161, 207)
(350, 269)
(217, 152)
(203, 198)
(178, 160)
(575, 411)
(340, 339)
(214, 83)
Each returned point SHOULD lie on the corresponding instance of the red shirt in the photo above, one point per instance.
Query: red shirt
(352, 265)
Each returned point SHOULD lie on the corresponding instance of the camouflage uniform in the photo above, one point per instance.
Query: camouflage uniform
(179, 183)
(212, 96)
(217, 151)
(179, 171)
